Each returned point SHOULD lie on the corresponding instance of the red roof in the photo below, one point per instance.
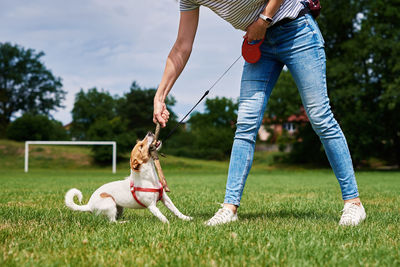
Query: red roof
(302, 117)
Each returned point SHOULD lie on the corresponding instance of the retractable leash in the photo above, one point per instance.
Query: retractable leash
(250, 52)
(153, 146)
(201, 99)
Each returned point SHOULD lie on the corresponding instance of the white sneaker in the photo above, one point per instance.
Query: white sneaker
(222, 216)
(353, 214)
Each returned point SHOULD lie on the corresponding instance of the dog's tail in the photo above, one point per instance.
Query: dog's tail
(69, 200)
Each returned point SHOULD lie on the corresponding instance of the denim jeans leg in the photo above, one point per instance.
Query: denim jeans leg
(257, 82)
(307, 65)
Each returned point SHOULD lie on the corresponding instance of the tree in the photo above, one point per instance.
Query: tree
(26, 85)
(136, 107)
(213, 130)
(88, 108)
(284, 102)
(362, 47)
(36, 127)
(114, 129)
(99, 116)
(219, 112)
(95, 118)
(363, 70)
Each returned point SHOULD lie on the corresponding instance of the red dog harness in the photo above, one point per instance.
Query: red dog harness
(141, 189)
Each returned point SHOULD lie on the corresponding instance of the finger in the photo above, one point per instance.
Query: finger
(161, 120)
(165, 112)
(165, 116)
(155, 117)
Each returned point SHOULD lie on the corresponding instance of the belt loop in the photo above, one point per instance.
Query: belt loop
(283, 21)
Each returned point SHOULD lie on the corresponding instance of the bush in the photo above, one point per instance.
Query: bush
(115, 130)
(309, 149)
(36, 127)
(208, 135)
(210, 143)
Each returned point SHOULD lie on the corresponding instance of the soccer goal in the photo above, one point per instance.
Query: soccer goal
(82, 143)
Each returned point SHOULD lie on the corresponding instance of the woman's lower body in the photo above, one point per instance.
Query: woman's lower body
(298, 45)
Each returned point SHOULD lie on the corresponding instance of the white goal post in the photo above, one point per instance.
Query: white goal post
(113, 143)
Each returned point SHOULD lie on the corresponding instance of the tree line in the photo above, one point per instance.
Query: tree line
(363, 74)
(97, 115)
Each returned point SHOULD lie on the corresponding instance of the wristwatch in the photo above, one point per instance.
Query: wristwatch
(265, 18)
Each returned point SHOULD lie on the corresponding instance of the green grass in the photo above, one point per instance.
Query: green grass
(288, 216)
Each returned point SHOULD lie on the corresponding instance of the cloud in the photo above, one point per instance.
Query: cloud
(109, 44)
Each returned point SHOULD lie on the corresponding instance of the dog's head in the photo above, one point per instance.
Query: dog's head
(141, 152)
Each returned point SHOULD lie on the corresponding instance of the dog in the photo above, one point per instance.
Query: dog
(142, 189)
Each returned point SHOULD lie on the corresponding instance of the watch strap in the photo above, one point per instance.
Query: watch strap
(265, 18)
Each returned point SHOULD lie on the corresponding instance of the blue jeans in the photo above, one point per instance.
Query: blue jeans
(298, 45)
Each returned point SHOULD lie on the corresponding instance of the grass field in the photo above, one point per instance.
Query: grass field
(287, 217)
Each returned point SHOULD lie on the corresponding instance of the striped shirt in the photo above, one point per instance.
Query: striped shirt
(241, 13)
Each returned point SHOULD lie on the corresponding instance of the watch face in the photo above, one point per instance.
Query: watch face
(265, 18)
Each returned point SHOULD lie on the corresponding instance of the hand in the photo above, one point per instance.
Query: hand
(256, 30)
(160, 113)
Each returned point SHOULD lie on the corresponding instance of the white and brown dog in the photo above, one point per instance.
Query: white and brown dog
(141, 189)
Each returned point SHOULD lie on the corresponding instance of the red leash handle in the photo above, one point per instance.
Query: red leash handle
(251, 52)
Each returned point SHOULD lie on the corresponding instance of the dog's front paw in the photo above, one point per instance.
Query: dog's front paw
(187, 218)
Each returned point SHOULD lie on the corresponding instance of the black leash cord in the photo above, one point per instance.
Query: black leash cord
(201, 99)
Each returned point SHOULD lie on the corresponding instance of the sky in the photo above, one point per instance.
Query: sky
(109, 44)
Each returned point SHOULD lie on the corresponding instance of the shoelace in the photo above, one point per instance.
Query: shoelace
(221, 214)
(350, 211)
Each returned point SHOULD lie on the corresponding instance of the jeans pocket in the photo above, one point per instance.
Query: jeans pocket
(294, 24)
(315, 29)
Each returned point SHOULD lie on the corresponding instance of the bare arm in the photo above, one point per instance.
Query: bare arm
(256, 30)
(176, 62)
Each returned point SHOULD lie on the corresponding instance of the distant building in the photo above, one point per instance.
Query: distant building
(276, 127)
(67, 127)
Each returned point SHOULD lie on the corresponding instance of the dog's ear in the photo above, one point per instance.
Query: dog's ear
(135, 164)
